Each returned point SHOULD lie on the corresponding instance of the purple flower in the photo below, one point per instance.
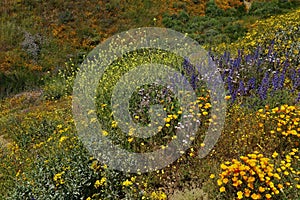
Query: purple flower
(264, 86)
(281, 80)
(251, 83)
(194, 81)
(241, 88)
(275, 81)
(230, 84)
(187, 67)
(190, 71)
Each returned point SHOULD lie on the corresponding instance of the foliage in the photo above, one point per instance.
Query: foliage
(257, 155)
(257, 177)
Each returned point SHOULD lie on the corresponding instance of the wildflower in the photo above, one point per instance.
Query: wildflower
(255, 196)
(99, 183)
(63, 138)
(275, 154)
(130, 139)
(239, 194)
(268, 196)
(158, 195)
(227, 97)
(222, 189)
(104, 133)
(127, 183)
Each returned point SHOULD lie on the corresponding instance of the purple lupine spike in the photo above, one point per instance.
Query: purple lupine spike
(281, 80)
(237, 62)
(293, 75)
(187, 66)
(251, 83)
(230, 84)
(194, 81)
(234, 63)
(275, 81)
(241, 88)
(248, 59)
(264, 86)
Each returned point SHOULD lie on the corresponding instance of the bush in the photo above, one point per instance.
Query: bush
(212, 10)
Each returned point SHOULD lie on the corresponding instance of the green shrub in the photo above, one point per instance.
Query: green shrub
(212, 10)
(17, 81)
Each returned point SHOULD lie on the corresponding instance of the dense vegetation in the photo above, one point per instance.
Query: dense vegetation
(256, 50)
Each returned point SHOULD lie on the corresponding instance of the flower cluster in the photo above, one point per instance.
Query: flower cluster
(284, 31)
(285, 120)
(253, 176)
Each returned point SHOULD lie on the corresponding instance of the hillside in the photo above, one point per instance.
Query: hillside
(256, 51)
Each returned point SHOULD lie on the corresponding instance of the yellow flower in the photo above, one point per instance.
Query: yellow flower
(219, 181)
(280, 186)
(227, 97)
(223, 166)
(99, 183)
(255, 196)
(58, 178)
(240, 194)
(247, 192)
(275, 154)
(104, 133)
(114, 124)
(158, 196)
(222, 189)
(225, 180)
(167, 119)
(268, 196)
(212, 176)
(63, 138)
(93, 120)
(127, 183)
(261, 189)
(59, 126)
